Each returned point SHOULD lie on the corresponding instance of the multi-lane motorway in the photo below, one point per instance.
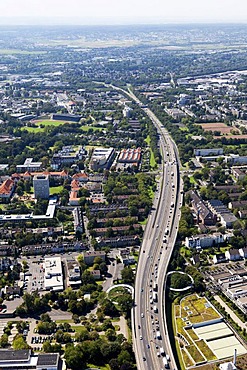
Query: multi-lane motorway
(150, 337)
(149, 325)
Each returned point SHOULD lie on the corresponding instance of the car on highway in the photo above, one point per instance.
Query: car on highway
(142, 314)
(140, 337)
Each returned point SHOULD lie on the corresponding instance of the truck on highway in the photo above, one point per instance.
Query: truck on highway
(166, 231)
(162, 352)
(155, 297)
(158, 335)
(155, 286)
(165, 362)
(155, 309)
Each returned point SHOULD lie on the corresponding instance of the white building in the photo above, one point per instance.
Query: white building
(29, 166)
(206, 240)
(53, 274)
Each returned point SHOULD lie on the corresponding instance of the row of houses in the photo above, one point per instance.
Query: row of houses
(201, 241)
(232, 254)
(211, 212)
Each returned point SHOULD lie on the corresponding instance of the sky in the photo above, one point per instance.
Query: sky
(121, 11)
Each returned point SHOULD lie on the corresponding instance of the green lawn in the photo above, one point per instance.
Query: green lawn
(63, 321)
(94, 128)
(106, 367)
(77, 329)
(152, 161)
(44, 123)
(56, 189)
(33, 129)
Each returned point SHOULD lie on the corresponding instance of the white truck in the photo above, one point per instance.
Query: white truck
(155, 309)
(158, 335)
(162, 351)
(155, 297)
(165, 362)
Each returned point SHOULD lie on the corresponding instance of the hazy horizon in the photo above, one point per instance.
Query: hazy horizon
(109, 12)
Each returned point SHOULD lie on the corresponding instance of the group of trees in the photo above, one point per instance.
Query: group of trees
(117, 353)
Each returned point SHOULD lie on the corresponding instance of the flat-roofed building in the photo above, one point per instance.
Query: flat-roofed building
(29, 165)
(53, 274)
(208, 151)
(24, 359)
(41, 186)
(89, 256)
(101, 158)
(73, 272)
(237, 290)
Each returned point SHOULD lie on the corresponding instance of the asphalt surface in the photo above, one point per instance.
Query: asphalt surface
(149, 324)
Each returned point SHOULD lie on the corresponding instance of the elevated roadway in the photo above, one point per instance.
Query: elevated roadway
(149, 323)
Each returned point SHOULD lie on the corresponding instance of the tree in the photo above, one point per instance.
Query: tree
(4, 342)
(19, 343)
(125, 302)
(127, 275)
(75, 358)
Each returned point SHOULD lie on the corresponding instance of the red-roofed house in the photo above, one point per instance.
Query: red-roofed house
(7, 189)
(81, 176)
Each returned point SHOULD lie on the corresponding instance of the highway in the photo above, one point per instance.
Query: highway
(149, 324)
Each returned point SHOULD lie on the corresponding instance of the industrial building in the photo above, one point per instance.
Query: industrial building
(102, 158)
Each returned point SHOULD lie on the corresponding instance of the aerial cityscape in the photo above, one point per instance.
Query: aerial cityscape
(123, 187)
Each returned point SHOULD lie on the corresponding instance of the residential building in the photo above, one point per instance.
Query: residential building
(238, 173)
(78, 219)
(225, 216)
(125, 257)
(118, 241)
(73, 272)
(203, 214)
(206, 240)
(243, 252)
(41, 187)
(67, 156)
(233, 254)
(7, 189)
(89, 256)
(219, 258)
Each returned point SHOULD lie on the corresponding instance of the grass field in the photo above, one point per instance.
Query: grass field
(152, 161)
(16, 51)
(86, 128)
(40, 125)
(56, 189)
